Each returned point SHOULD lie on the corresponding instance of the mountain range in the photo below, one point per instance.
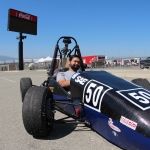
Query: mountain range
(3, 58)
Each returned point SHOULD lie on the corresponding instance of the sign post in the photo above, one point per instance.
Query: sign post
(20, 52)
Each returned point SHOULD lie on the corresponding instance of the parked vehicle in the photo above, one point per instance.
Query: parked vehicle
(145, 63)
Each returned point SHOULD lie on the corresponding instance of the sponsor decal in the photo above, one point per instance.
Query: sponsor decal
(129, 123)
(51, 89)
(110, 123)
(93, 94)
(24, 16)
(81, 80)
(139, 97)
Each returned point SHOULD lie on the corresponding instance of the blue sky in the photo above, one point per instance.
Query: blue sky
(116, 28)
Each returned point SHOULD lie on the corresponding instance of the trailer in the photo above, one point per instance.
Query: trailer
(92, 58)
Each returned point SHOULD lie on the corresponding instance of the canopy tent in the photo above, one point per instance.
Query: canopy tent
(48, 59)
(40, 60)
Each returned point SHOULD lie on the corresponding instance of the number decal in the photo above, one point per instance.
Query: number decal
(88, 93)
(96, 95)
(93, 94)
(146, 95)
(139, 97)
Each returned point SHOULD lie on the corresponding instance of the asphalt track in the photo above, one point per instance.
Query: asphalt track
(64, 136)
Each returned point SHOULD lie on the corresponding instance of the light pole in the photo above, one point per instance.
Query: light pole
(20, 50)
(13, 57)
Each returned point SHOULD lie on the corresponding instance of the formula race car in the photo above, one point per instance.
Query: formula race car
(113, 107)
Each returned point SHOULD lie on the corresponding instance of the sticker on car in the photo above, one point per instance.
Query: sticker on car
(81, 80)
(129, 123)
(139, 97)
(93, 94)
(111, 125)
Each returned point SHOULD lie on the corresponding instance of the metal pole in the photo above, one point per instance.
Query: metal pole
(21, 66)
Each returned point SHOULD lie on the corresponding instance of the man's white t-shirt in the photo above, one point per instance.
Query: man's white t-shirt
(64, 75)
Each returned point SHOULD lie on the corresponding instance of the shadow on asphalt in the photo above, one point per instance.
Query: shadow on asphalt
(62, 130)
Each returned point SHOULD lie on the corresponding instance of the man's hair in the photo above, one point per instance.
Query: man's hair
(73, 56)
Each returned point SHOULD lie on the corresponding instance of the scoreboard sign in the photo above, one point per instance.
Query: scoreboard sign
(22, 22)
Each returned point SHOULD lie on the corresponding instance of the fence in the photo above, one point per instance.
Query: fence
(113, 64)
(116, 63)
(15, 66)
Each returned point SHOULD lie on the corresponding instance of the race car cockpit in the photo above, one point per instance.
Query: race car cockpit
(60, 64)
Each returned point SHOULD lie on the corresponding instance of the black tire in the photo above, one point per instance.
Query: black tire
(25, 84)
(37, 111)
(142, 82)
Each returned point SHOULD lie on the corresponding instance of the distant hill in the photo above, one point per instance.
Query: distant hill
(3, 58)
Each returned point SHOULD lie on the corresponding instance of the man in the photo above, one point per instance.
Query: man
(63, 78)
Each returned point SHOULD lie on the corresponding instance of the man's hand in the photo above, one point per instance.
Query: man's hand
(64, 83)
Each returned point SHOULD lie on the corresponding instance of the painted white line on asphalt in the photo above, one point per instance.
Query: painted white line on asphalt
(7, 79)
(39, 76)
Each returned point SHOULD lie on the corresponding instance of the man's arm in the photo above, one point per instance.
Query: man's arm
(61, 80)
(64, 83)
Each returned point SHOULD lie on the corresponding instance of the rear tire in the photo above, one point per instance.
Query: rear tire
(37, 111)
(25, 84)
(142, 82)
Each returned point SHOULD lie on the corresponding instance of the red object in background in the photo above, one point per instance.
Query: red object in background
(92, 58)
(89, 59)
(22, 15)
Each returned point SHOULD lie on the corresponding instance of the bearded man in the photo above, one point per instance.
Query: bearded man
(63, 78)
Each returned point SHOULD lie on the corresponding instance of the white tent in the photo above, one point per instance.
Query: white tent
(48, 59)
(40, 60)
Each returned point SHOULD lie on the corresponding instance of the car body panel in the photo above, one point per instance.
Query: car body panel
(116, 132)
(113, 109)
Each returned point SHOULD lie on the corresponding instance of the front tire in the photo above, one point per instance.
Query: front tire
(142, 82)
(37, 111)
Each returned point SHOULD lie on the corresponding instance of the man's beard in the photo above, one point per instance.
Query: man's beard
(75, 67)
